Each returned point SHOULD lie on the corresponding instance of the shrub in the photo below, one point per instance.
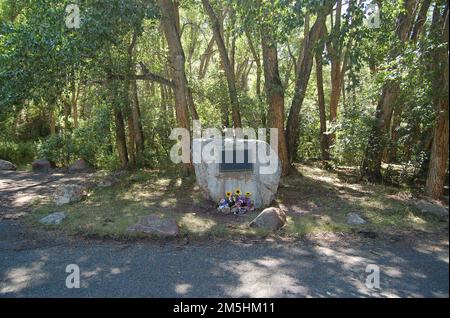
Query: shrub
(56, 148)
(17, 152)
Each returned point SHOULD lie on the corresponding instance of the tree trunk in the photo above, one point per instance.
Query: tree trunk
(136, 113)
(324, 145)
(439, 154)
(339, 60)
(52, 120)
(275, 96)
(74, 102)
(131, 142)
(335, 92)
(228, 67)
(439, 150)
(398, 111)
(371, 167)
(395, 134)
(66, 108)
(303, 72)
(191, 104)
(136, 135)
(421, 19)
(129, 104)
(206, 57)
(121, 142)
(257, 59)
(334, 48)
(177, 58)
(374, 152)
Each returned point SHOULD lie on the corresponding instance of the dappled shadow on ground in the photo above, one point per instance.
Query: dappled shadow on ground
(301, 269)
(313, 199)
(109, 212)
(20, 190)
(316, 198)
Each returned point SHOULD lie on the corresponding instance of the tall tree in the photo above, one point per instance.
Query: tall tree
(302, 74)
(275, 94)
(257, 59)
(339, 59)
(371, 168)
(399, 107)
(439, 150)
(227, 63)
(206, 57)
(137, 121)
(170, 22)
(324, 143)
(119, 125)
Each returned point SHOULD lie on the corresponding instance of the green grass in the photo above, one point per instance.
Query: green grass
(317, 201)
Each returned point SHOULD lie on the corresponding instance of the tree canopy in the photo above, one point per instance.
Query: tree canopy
(342, 84)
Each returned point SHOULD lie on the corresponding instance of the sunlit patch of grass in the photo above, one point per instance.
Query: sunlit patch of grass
(195, 224)
(373, 203)
(306, 224)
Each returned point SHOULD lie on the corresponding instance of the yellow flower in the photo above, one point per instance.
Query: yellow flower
(228, 194)
(237, 192)
(248, 194)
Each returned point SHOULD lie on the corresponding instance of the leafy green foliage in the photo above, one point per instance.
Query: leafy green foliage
(17, 152)
(43, 64)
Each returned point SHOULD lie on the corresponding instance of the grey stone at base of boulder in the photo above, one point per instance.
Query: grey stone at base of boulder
(53, 219)
(270, 218)
(68, 194)
(6, 165)
(80, 165)
(431, 208)
(225, 210)
(42, 165)
(355, 219)
(153, 224)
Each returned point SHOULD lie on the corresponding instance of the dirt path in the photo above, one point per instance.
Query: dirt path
(19, 190)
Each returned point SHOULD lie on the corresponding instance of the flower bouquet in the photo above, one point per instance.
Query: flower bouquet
(236, 203)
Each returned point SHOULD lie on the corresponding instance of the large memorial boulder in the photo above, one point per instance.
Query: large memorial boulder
(258, 173)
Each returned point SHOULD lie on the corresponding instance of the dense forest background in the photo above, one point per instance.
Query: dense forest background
(344, 90)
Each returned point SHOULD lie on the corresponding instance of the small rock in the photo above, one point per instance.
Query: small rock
(355, 219)
(80, 165)
(153, 224)
(431, 208)
(6, 165)
(42, 165)
(68, 194)
(107, 182)
(53, 219)
(270, 218)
